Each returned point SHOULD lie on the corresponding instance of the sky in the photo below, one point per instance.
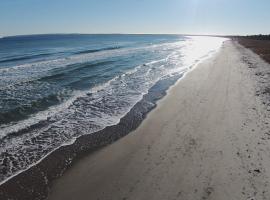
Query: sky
(223, 17)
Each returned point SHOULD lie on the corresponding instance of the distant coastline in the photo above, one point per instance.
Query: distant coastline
(76, 34)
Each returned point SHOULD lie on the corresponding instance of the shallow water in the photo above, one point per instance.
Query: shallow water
(55, 88)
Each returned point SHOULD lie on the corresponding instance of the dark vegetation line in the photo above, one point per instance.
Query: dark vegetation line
(260, 44)
(258, 37)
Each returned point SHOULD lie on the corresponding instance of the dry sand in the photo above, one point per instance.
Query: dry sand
(207, 139)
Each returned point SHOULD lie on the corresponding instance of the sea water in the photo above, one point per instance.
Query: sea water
(55, 88)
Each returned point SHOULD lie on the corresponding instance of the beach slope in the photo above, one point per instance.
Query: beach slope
(207, 139)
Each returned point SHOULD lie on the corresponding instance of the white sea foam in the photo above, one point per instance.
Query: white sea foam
(103, 105)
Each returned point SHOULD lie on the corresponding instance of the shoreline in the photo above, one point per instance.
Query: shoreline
(206, 139)
(164, 92)
(43, 132)
(42, 176)
(39, 176)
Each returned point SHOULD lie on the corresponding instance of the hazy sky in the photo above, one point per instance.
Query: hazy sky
(134, 16)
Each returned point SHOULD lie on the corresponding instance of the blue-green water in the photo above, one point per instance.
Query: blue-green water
(55, 88)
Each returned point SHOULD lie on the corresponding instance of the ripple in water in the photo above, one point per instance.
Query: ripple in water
(48, 103)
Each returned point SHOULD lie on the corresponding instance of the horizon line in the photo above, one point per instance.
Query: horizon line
(188, 34)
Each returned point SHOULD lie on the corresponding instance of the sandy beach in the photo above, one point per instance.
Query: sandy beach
(207, 139)
(135, 100)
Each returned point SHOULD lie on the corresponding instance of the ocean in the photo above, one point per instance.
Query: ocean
(56, 88)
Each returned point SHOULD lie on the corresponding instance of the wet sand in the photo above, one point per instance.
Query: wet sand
(209, 138)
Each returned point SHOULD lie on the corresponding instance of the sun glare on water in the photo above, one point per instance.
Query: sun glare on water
(200, 47)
